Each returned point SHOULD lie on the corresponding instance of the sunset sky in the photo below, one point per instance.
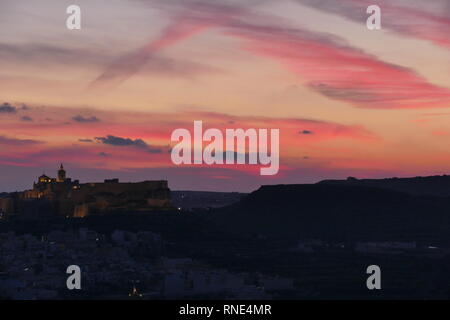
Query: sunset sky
(105, 99)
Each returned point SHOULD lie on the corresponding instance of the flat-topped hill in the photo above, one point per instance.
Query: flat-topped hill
(338, 211)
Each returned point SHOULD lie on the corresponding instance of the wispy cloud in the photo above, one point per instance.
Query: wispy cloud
(427, 20)
(323, 63)
(7, 141)
(188, 19)
(104, 154)
(26, 118)
(329, 66)
(82, 119)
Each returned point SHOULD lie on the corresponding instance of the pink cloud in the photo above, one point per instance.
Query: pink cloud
(341, 72)
(441, 133)
(141, 140)
(323, 63)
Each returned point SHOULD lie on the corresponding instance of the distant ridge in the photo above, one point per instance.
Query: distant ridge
(204, 199)
(431, 185)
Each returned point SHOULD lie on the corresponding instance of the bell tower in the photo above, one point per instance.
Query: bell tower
(61, 174)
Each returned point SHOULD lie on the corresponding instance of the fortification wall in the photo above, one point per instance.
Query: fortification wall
(80, 200)
(121, 187)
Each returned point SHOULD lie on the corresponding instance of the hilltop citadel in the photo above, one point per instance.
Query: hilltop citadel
(70, 198)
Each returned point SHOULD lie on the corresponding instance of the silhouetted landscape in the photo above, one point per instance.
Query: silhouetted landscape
(310, 241)
(340, 211)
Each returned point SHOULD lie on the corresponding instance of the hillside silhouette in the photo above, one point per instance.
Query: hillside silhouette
(338, 211)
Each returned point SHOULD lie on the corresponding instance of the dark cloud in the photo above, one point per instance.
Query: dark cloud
(124, 67)
(86, 140)
(179, 68)
(306, 132)
(82, 119)
(44, 54)
(345, 94)
(104, 154)
(118, 141)
(125, 142)
(7, 108)
(17, 142)
(26, 119)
